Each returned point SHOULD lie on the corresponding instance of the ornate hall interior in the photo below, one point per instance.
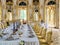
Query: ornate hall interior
(29, 22)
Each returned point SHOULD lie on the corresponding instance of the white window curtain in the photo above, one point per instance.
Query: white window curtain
(50, 17)
(36, 16)
(23, 15)
(9, 16)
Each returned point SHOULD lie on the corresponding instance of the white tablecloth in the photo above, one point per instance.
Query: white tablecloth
(28, 41)
(14, 42)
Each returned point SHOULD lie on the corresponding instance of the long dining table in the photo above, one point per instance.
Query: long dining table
(29, 37)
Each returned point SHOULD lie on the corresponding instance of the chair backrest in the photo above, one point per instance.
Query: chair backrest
(40, 30)
(37, 27)
(44, 32)
(49, 37)
(34, 27)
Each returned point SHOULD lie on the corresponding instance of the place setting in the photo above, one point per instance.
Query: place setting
(30, 34)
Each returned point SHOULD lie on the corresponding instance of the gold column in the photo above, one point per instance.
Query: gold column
(29, 7)
(3, 12)
(57, 14)
(44, 11)
(3, 8)
(0, 12)
(27, 12)
(42, 5)
(14, 11)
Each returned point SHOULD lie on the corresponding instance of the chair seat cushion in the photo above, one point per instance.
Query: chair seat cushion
(40, 37)
(37, 33)
(43, 41)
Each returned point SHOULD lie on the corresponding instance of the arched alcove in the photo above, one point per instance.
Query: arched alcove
(36, 13)
(22, 11)
(9, 9)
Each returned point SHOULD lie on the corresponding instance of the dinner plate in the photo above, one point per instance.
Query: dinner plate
(31, 36)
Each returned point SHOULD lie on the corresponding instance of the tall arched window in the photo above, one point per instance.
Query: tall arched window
(50, 16)
(22, 11)
(50, 13)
